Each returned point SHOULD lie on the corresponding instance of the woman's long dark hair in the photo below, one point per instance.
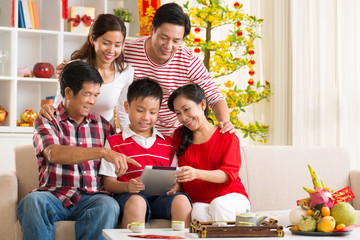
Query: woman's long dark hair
(102, 24)
(196, 94)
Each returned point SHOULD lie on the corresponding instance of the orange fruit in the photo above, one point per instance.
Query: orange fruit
(340, 226)
(325, 211)
(295, 228)
(309, 212)
(326, 224)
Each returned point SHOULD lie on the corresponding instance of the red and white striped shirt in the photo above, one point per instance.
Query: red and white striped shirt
(183, 67)
(156, 150)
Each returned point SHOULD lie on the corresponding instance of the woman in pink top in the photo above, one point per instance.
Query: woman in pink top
(210, 161)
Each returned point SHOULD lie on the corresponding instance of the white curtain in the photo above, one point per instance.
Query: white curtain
(311, 56)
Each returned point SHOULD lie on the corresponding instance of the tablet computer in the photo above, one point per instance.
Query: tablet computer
(158, 179)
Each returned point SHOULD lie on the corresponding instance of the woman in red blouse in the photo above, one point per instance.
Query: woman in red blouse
(210, 161)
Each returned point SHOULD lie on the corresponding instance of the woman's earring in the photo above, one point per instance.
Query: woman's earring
(92, 45)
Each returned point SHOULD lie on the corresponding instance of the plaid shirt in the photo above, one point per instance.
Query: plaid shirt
(68, 182)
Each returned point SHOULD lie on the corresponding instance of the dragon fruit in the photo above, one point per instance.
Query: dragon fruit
(320, 196)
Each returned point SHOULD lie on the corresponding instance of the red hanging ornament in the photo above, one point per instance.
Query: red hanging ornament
(197, 29)
(197, 40)
(238, 24)
(236, 4)
(251, 52)
(251, 82)
(65, 13)
(251, 72)
(197, 50)
(239, 34)
(252, 61)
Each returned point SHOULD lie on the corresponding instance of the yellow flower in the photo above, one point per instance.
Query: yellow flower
(232, 104)
(231, 93)
(233, 114)
(229, 84)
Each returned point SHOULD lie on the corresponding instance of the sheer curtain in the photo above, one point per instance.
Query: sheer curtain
(311, 55)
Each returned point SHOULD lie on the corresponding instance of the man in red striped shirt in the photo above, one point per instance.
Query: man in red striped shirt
(69, 148)
(163, 58)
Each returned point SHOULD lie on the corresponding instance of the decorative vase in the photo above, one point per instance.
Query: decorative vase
(28, 116)
(43, 70)
(3, 114)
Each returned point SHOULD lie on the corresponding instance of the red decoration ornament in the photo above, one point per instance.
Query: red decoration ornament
(239, 34)
(197, 29)
(236, 4)
(3, 114)
(87, 20)
(197, 50)
(251, 52)
(65, 13)
(77, 20)
(238, 24)
(28, 116)
(197, 40)
(43, 70)
(251, 82)
(252, 61)
(146, 11)
(251, 72)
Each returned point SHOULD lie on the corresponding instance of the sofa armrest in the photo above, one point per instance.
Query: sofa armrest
(8, 203)
(355, 187)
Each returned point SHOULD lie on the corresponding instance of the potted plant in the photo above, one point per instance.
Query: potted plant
(125, 15)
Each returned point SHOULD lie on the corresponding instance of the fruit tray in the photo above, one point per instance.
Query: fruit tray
(206, 230)
(320, 233)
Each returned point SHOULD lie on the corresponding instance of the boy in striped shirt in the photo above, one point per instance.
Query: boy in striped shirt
(142, 142)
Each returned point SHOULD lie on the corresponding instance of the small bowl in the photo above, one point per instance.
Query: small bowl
(178, 225)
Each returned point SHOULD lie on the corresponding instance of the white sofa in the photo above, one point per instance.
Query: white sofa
(273, 177)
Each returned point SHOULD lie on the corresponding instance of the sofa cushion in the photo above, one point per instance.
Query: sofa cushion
(276, 174)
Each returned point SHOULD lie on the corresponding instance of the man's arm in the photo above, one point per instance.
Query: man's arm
(221, 112)
(59, 154)
(202, 77)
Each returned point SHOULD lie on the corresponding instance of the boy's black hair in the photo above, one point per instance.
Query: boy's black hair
(75, 74)
(171, 13)
(144, 87)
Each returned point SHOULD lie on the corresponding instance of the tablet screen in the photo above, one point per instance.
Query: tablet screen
(158, 179)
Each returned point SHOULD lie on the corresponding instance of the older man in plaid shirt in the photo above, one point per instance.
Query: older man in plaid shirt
(69, 149)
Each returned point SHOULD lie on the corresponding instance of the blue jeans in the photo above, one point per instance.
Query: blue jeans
(38, 211)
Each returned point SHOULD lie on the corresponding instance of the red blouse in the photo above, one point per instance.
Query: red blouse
(221, 151)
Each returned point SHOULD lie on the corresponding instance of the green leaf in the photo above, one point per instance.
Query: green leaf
(319, 206)
(303, 207)
(186, 5)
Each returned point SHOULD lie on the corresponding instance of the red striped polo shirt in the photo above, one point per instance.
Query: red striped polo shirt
(183, 67)
(159, 154)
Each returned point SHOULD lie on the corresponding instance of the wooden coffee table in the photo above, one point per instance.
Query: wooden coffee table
(120, 234)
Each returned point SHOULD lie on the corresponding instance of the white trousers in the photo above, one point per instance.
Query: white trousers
(222, 208)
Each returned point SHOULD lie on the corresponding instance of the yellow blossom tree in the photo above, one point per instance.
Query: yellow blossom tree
(224, 57)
